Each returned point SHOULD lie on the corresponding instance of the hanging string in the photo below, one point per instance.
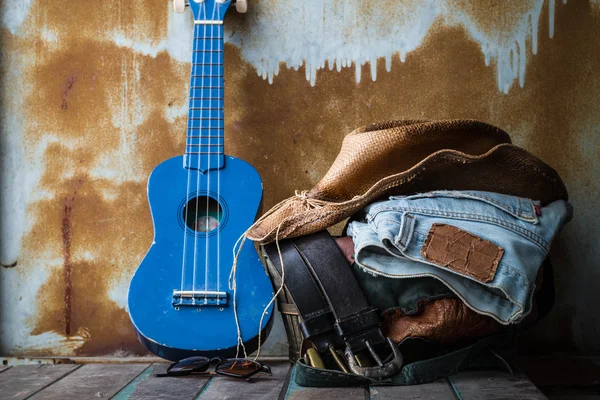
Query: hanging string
(233, 286)
(265, 311)
(308, 204)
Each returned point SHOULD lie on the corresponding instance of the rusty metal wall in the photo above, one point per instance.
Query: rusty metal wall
(94, 95)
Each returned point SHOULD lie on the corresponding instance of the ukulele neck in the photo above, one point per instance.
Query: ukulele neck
(205, 131)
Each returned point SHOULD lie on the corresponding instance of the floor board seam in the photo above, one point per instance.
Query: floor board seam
(53, 382)
(131, 380)
(203, 389)
(367, 389)
(455, 392)
(286, 383)
(6, 369)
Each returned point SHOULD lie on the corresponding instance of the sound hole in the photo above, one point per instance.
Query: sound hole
(202, 214)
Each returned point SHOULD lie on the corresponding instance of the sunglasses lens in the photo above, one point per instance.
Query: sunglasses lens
(238, 367)
(191, 364)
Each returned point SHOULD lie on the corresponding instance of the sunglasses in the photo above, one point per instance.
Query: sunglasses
(232, 367)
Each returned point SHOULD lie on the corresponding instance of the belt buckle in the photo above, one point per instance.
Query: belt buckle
(382, 370)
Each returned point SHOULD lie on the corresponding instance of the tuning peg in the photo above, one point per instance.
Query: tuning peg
(179, 6)
(241, 6)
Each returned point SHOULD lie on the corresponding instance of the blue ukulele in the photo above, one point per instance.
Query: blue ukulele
(179, 298)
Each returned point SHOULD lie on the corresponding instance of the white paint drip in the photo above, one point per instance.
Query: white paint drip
(314, 33)
(317, 34)
(507, 48)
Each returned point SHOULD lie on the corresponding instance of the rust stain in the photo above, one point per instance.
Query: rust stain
(116, 115)
(289, 131)
(66, 235)
(495, 17)
(145, 21)
(69, 85)
(66, 242)
(76, 301)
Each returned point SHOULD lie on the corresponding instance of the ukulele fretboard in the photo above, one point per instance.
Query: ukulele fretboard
(205, 131)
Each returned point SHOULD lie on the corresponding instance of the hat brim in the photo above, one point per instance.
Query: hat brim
(505, 169)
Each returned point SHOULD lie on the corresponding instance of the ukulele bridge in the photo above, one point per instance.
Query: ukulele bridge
(199, 298)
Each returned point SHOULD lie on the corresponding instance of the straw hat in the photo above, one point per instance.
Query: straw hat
(410, 156)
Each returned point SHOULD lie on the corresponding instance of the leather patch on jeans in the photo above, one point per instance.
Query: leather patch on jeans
(463, 252)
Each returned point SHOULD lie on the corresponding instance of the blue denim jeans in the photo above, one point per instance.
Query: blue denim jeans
(485, 247)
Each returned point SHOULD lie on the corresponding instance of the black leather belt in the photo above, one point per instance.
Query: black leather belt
(333, 308)
(317, 318)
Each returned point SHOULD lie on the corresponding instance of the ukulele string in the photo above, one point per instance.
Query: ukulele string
(190, 132)
(209, 151)
(199, 171)
(220, 132)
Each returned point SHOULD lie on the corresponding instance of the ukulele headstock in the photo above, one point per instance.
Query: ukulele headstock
(209, 10)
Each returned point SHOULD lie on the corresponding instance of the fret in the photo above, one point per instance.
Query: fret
(211, 47)
(201, 64)
(209, 38)
(206, 69)
(207, 76)
(203, 152)
(203, 144)
(214, 128)
(204, 137)
(208, 142)
(204, 112)
(207, 116)
(207, 108)
(206, 98)
(207, 87)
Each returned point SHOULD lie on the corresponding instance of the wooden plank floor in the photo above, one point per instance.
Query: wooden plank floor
(139, 381)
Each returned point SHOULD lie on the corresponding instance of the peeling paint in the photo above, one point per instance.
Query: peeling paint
(93, 101)
(14, 14)
(16, 187)
(357, 32)
(178, 42)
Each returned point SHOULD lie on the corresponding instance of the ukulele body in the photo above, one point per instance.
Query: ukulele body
(179, 299)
